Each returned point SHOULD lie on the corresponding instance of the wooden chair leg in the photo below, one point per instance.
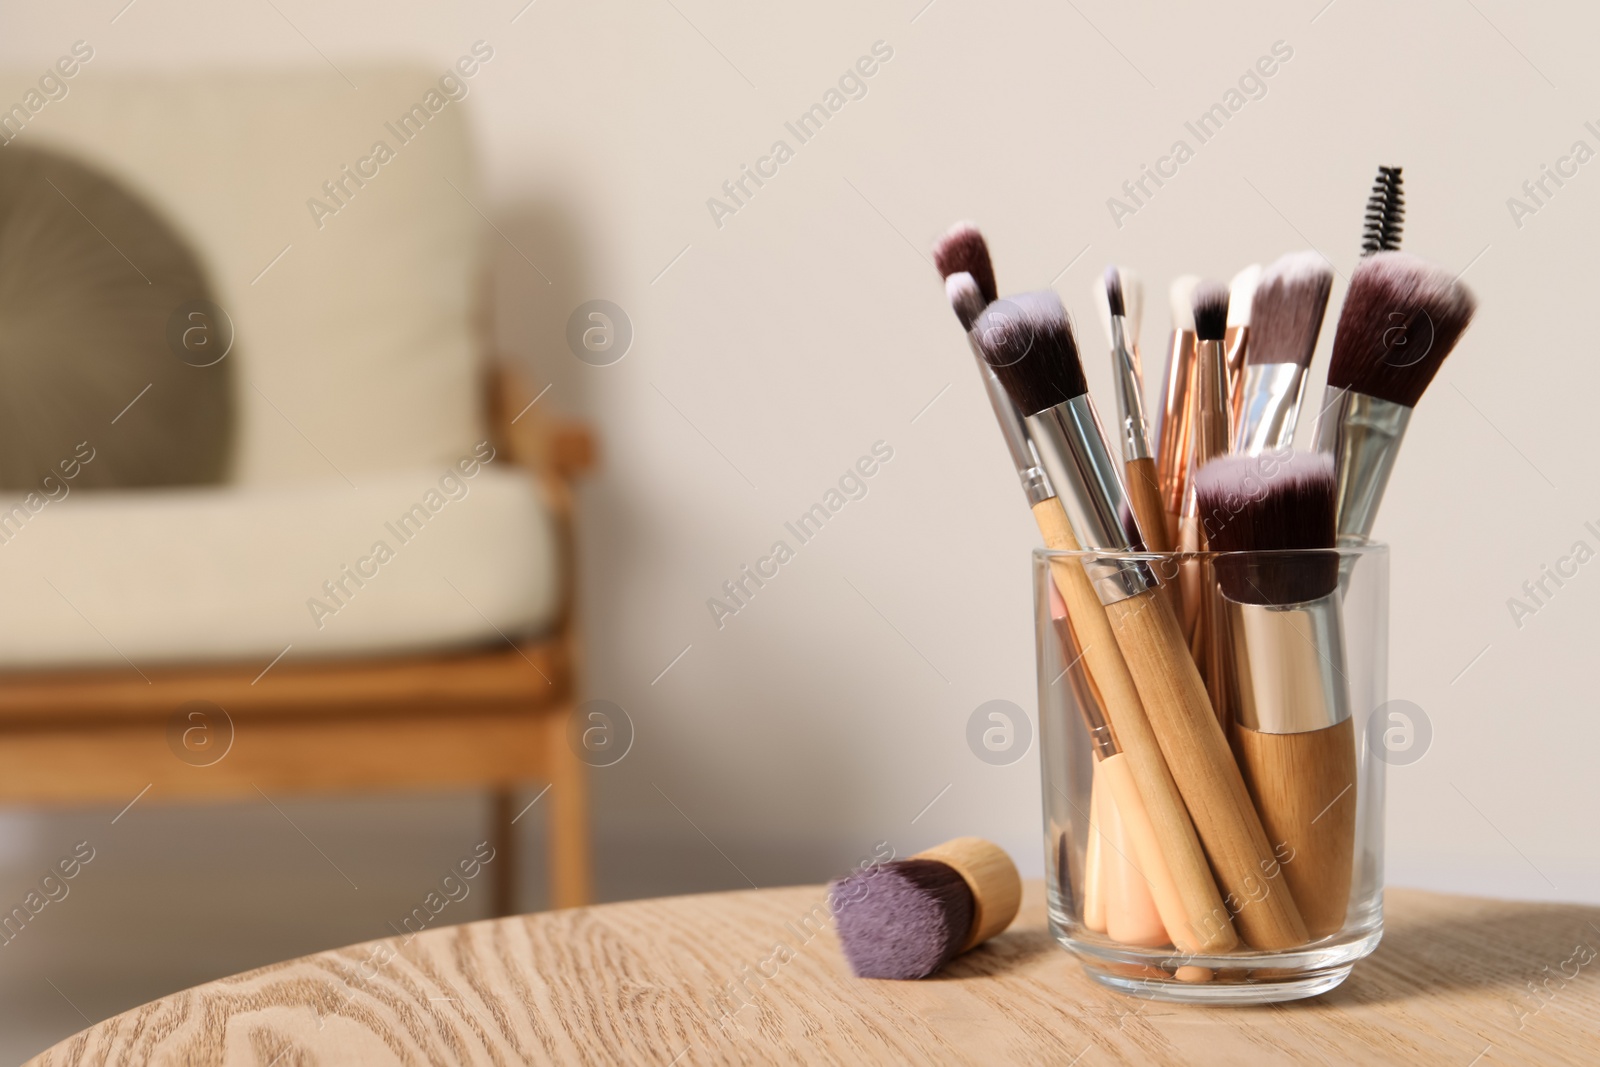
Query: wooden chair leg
(503, 839)
(571, 882)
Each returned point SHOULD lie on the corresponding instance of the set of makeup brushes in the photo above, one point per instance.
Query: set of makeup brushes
(1211, 680)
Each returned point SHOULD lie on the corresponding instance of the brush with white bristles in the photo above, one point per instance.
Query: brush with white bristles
(1173, 426)
(1401, 317)
(1241, 301)
(1290, 301)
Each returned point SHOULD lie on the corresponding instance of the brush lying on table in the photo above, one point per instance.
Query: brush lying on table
(908, 918)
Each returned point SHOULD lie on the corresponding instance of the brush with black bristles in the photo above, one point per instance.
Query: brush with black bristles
(1213, 426)
(962, 257)
(1290, 302)
(1028, 340)
(1386, 210)
(1272, 517)
(1401, 317)
(1144, 484)
(908, 918)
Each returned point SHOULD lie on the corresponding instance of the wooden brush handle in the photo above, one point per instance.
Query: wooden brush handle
(1305, 788)
(1206, 927)
(1208, 779)
(1094, 875)
(1141, 898)
(1144, 489)
(992, 877)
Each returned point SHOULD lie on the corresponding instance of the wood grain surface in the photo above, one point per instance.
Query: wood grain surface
(1457, 981)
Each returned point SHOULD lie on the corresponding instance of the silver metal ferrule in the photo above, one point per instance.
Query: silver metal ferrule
(1363, 435)
(1130, 394)
(1269, 408)
(1035, 482)
(1290, 665)
(1089, 483)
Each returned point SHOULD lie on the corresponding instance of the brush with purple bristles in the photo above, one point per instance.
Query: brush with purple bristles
(908, 918)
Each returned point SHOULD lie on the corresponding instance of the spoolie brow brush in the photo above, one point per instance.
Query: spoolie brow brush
(1028, 341)
(1386, 210)
(1290, 302)
(1401, 317)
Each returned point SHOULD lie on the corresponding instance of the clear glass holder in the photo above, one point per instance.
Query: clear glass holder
(1117, 926)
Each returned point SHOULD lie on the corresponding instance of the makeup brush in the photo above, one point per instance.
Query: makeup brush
(1144, 485)
(908, 918)
(963, 248)
(1212, 439)
(1174, 431)
(1241, 300)
(1293, 733)
(1124, 871)
(1028, 341)
(1386, 210)
(1290, 301)
(1211, 930)
(1401, 317)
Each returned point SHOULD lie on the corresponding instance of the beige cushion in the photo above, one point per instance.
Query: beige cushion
(156, 576)
(355, 349)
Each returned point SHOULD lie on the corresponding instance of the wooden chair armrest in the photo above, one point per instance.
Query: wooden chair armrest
(531, 436)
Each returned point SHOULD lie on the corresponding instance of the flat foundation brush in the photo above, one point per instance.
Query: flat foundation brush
(1292, 730)
(1290, 302)
(1401, 317)
(1028, 341)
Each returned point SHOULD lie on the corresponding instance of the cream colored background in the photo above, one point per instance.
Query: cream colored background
(774, 351)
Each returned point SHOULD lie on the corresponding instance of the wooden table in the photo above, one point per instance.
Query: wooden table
(654, 982)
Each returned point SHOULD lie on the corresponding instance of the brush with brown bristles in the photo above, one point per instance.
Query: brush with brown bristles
(1289, 305)
(1272, 517)
(1195, 891)
(1402, 316)
(1028, 340)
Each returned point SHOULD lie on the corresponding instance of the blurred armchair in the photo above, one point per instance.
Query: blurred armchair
(378, 595)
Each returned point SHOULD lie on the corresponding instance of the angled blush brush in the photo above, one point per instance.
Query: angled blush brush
(1386, 211)
(1401, 317)
(1292, 732)
(1290, 302)
(1028, 340)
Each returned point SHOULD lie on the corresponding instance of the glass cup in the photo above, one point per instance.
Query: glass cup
(1300, 685)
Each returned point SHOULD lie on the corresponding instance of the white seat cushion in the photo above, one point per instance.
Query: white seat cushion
(356, 350)
(150, 577)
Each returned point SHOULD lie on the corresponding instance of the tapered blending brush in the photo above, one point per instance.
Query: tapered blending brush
(1293, 733)
(963, 248)
(1290, 302)
(1179, 845)
(1144, 484)
(1401, 317)
(1173, 430)
(1028, 341)
(1212, 439)
(1386, 210)
(1241, 296)
(908, 918)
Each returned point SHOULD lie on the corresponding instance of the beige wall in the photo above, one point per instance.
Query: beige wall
(778, 347)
